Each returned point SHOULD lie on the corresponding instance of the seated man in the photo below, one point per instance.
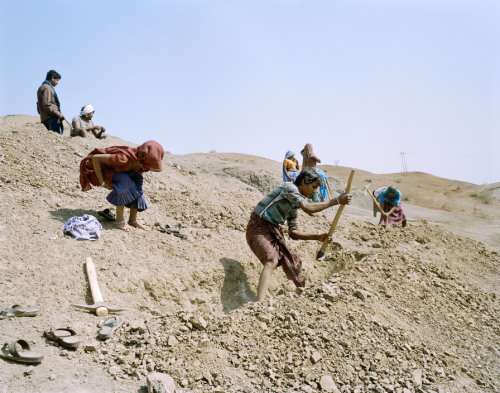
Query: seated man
(83, 124)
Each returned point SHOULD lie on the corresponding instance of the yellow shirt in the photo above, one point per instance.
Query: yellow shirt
(290, 163)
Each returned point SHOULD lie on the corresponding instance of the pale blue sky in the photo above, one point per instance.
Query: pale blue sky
(361, 80)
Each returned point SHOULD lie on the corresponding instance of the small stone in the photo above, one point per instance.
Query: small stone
(417, 377)
(113, 370)
(199, 323)
(327, 384)
(91, 347)
(266, 318)
(29, 370)
(138, 326)
(160, 383)
(316, 357)
(172, 341)
(52, 377)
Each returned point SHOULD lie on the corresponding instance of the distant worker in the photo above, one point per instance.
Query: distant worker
(309, 159)
(264, 236)
(84, 126)
(291, 167)
(48, 105)
(390, 201)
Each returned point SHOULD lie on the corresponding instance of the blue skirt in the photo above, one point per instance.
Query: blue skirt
(128, 191)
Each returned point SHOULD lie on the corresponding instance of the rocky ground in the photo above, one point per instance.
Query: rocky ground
(398, 310)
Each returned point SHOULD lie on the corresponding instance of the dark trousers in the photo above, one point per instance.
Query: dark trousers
(54, 124)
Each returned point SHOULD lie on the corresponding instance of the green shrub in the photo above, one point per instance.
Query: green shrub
(485, 197)
(398, 180)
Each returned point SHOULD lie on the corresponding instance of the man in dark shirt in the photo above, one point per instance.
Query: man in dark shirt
(48, 104)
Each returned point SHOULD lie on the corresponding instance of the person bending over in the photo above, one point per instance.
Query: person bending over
(264, 236)
(120, 169)
(390, 201)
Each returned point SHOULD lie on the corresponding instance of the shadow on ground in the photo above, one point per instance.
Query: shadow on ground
(236, 289)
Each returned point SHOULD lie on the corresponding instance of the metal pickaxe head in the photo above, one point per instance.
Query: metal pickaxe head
(93, 307)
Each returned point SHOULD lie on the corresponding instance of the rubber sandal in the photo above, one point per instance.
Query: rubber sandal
(20, 311)
(10, 352)
(107, 214)
(108, 327)
(64, 336)
(173, 229)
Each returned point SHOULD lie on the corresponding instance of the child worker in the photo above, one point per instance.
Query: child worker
(265, 237)
(120, 168)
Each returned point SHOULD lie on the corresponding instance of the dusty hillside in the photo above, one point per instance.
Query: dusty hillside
(412, 310)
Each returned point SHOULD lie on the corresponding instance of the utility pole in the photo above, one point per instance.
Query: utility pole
(403, 160)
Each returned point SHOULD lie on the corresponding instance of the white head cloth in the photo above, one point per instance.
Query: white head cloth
(87, 109)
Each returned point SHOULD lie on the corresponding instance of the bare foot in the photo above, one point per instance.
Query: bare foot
(138, 225)
(121, 225)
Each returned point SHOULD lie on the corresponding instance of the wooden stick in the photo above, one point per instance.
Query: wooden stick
(94, 287)
(375, 201)
(321, 252)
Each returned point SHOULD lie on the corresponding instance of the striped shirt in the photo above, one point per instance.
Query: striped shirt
(281, 205)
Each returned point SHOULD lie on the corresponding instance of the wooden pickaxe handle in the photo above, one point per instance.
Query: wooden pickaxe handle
(375, 201)
(94, 287)
(321, 252)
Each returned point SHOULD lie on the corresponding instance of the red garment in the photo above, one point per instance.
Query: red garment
(149, 154)
(309, 158)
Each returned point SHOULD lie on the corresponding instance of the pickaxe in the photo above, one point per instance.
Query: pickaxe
(367, 191)
(321, 252)
(99, 307)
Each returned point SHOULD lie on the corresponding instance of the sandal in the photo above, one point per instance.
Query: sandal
(19, 311)
(107, 214)
(64, 336)
(10, 352)
(108, 327)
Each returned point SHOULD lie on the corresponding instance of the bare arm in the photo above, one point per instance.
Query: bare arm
(315, 207)
(97, 160)
(299, 235)
(285, 171)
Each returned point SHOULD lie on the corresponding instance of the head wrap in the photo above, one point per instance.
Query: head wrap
(309, 158)
(391, 189)
(150, 154)
(86, 110)
(289, 153)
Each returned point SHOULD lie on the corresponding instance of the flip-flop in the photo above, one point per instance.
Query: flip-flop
(10, 352)
(64, 336)
(108, 327)
(173, 229)
(19, 311)
(107, 214)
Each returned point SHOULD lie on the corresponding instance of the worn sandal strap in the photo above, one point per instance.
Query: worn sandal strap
(13, 347)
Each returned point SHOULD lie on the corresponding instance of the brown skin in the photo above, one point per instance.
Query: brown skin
(309, 207)
(96, 130)
(133, 166)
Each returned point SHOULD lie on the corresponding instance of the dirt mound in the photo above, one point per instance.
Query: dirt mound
(413, 310)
